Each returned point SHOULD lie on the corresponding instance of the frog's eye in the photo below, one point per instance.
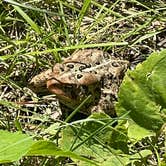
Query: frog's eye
(79, 76)
(115, 64)
(71, 66)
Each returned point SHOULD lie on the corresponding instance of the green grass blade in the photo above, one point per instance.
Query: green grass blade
(107, 9)
(81, 46)
(64, 23)
(81, 14)
(145, 37)
(28, 19)
(31, 8)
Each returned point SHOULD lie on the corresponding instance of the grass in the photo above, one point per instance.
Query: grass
(34, 35)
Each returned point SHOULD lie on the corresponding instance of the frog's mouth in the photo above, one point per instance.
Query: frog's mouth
(70, 93)
(66, 92)
(55, 87)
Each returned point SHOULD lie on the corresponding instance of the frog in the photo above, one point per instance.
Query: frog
(87, 72)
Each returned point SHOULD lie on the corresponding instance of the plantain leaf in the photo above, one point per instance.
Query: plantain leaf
(48, 148)
(13, 146)
(97, 140)
(143, 92)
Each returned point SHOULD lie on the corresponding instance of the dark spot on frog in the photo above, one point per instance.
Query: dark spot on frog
(79, 76)
(109, 76)
(88, 65)
(114, 64)
(94, 72)
(82, 68)
(62, 69)
(97, 63)
(71, 66)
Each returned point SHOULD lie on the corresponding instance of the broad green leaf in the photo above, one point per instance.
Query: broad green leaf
(96, 148)
(52, 129)
(141, 154)
(95, 139)
(142, 92)
(136, 132)
(115, 136)
(122, 160)
(13, 146)
(48, 148)
(119, 138)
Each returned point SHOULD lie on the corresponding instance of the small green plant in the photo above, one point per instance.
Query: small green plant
(143, 95)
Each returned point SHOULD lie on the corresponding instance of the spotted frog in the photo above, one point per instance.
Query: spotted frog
(86, 72)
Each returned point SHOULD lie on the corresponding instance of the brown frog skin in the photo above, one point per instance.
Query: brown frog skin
(86, 72)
